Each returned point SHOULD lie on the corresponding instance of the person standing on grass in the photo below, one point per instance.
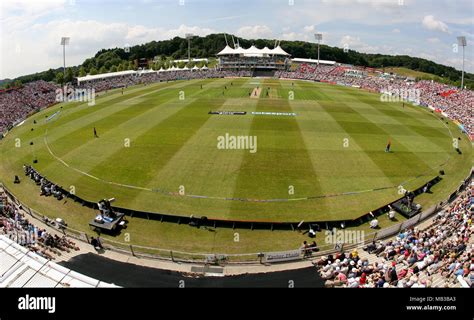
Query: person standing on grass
(389, 146)
(95, 133)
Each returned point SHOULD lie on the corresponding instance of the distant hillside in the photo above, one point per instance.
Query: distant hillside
(120, 59)
(417, 74)
(4, 81)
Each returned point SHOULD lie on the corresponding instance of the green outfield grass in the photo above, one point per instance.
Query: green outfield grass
(157, 143)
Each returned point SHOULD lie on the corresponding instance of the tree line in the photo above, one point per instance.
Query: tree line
(160, 54)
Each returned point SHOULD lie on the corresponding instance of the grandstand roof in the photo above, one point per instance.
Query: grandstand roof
(267, 50)
(146, 71)
(313, 61)
(227, 50)
(253, 51)
(21, 268)
(106, 75)
(195, 68)
(279, 51)
(192, 60)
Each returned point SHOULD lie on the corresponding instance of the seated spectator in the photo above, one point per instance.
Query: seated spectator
(96, 244)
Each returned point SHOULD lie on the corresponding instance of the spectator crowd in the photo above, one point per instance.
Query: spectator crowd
(149, 78)
(15, 226)
(412, 259)
(17, 104)
(440, 254)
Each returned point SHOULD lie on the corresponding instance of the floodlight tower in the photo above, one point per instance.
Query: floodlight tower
(319, 38)
(462, 42)
(189, 36)
(64, 43)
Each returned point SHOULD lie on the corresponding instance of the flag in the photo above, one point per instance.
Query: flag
(447, 93)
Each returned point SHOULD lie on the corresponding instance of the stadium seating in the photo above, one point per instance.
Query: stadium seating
(17, 104)
(439, 255)
(15, 225)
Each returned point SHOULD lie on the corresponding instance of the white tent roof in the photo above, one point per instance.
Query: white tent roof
(195, 68)
(204, 68)
(279, 51)
(253, 48)
(253, 51)
(240, 50)
(267, 50)
(226, 51)
(21, 268)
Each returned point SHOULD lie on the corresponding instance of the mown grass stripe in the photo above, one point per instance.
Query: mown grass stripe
(64, 143)
(291, 163)
(160, 142)
(424, 134)
(198, 174)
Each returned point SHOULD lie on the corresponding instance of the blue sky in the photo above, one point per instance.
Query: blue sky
(31, 30)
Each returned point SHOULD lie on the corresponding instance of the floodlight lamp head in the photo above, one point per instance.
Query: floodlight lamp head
(189, 35)
(65, 41)
(319, 36)
(462, 42)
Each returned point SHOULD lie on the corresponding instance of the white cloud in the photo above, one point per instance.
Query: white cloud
(93, 34)
(457, 63)
(309, 28)
(371, 3)
(355, 43)
(426, 56)
(38, 46)
(430, 23)
(306, 34)
(291, 36)
(19, 14)
(31, 29)
(30, 6)
(255, 32)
